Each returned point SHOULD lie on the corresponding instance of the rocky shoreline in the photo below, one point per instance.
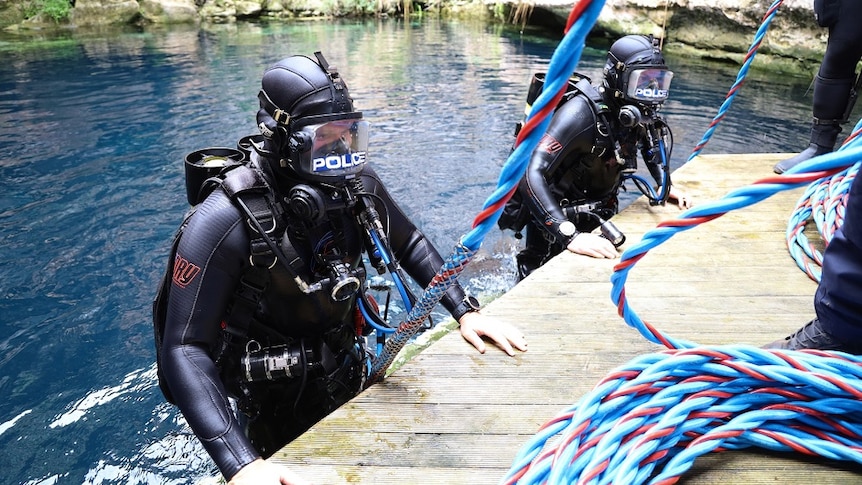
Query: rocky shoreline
(710, 29)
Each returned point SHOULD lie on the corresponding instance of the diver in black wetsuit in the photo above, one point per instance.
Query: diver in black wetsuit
(298, 352)
(590, 148)
(836, 83)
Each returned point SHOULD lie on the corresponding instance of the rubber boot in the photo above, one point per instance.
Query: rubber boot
(823, 136)
(830, 103)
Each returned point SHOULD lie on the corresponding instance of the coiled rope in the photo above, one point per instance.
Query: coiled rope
(668, 408)
(823, 204)
(562, 65)
(649, 420)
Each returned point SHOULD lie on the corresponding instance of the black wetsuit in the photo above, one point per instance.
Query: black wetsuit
(574, 164)
(838, 300)
(844, 46)
(216, 242)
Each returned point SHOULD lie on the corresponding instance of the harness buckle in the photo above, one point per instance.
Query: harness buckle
(281, 116)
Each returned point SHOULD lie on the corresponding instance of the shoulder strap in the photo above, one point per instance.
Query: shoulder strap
(250, 191)
(247, 187)
(601, 110)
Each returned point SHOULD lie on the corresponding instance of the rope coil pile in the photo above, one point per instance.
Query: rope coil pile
(823, 204)
(651, 419)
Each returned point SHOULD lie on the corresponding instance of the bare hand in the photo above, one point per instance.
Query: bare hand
(475, 325)
(590, 244)
(262, 472)
(682, 200)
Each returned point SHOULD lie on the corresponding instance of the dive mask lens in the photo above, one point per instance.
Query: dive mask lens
(649, 85)
(339, 137)
(338, 148)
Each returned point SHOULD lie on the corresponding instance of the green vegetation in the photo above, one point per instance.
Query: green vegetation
(55, 10)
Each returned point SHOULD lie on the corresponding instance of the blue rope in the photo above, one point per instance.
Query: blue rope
(666, 409)
(740, 78)
(823, 203)
(420, 311)
(561, 67)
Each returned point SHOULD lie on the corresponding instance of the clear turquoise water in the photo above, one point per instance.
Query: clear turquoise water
(93, 131)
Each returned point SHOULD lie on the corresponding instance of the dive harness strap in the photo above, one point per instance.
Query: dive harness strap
(249, 190)
(601, 110)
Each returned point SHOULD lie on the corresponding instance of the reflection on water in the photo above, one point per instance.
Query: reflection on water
(92, 134)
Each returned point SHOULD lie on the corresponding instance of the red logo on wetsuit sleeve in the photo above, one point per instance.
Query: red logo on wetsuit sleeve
(550, 144)
(184, 271)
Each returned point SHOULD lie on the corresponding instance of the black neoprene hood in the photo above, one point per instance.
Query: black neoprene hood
(627, 53)
(298, 87)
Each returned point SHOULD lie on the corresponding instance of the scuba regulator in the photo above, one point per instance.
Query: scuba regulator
(309, 206)
(655, 142)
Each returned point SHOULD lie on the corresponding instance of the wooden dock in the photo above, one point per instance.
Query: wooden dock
(453, 416)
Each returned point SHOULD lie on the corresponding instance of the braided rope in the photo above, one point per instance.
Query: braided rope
(740, 78)
(823, 166)
(666, 409)
(823, 204)
(441, 282)
(561, 67)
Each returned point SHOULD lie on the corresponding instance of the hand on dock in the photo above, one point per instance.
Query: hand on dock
(682, 200)
(593, 245)
(475, 325)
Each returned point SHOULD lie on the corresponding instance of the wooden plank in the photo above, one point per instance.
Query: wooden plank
(451, 415)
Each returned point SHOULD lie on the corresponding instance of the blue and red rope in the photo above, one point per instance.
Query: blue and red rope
(823, 205)
(649, 421)
(561, 67)
(740, 78)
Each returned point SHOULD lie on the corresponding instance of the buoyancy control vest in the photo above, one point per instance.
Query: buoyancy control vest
(207, 170)
(250, 191)
(516, 214)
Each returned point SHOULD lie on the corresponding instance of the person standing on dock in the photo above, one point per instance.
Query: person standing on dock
(838, 299)
(589, 150)
(836, 84)
(264, 323)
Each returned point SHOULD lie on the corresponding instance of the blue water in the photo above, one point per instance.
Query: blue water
(92, 135)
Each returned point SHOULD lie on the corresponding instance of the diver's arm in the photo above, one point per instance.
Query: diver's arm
(419, 258)
(211, 252)
(422, 262)
(570, 134)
